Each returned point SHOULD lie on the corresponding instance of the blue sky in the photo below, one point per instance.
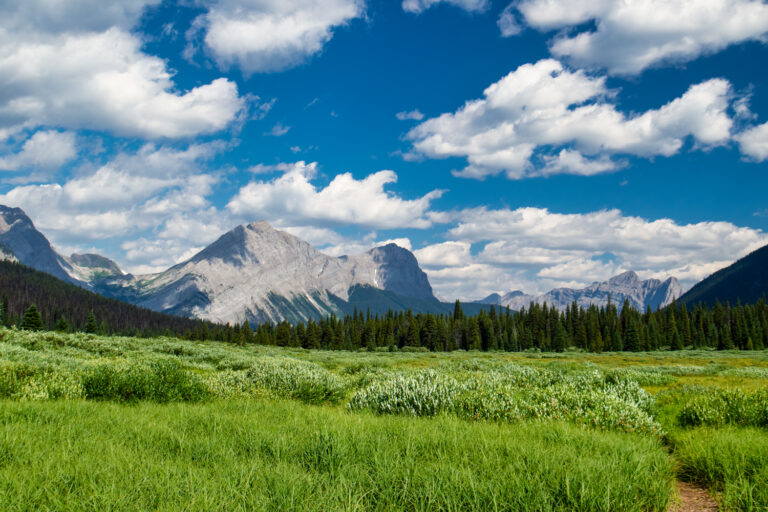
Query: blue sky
(522, 145)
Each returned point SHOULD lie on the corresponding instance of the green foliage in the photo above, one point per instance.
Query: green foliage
(160, 381)
(291, 378)
(717, 407)
(511, 393)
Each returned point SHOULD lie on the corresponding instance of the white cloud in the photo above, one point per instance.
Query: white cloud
(75, 65)
(291, 199)
(414, 115)
(417, 6)
(144, 256)
(272, 35)
(754, 142)
(573, 162)
(158, 189)
(353, 246)
(279, 130)
(446, 254)
(630, 36)
(507, 22)
(56, 17)
(545, 107)
(46, 150)
(535, 250)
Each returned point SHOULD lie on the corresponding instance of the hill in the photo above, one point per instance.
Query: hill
(745, 281)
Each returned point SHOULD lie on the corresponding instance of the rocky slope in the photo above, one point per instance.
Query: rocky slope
(21, 241)
(19, 235)
(651, 293)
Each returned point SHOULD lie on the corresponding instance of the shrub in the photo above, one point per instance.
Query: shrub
(424, 393)
(514, 393)
(160, 381)
(291, 378)
(726, 407)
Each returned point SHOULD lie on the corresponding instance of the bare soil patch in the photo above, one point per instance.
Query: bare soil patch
(693, 499)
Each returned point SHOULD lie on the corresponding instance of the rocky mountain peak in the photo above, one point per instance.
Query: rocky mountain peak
(628, 278)
(399, 272)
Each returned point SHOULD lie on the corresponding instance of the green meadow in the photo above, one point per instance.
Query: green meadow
(110, 423)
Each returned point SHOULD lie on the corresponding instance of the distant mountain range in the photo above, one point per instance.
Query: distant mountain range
(627, 286)
(258, 273)
(746, 280)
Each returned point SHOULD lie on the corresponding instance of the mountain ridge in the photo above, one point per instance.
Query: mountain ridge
(745, 280)
(652, 293)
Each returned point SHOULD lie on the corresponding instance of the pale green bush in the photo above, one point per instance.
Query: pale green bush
(292, 378)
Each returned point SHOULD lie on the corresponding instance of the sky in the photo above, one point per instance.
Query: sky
(511, 146)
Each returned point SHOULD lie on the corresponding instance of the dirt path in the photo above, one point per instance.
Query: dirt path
(693, 499)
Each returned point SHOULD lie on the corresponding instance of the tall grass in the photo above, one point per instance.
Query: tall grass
(732, 461)
(717, 407)
(273, 455)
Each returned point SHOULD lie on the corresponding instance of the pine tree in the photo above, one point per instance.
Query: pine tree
(458, 314)
(90, 324)
(62, 325)
(32, 320)
(474, 340)
(632, 337)
(559, 340)
(283, 334)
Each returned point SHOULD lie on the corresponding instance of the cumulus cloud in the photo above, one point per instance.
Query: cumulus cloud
(629, 37)
(546, 108)
(292, 199)
(754, 142)
(272, 35)
(157, 193)
(446, 254)
(76, 65)
(535, 250)
(45, 150)
(417, 6)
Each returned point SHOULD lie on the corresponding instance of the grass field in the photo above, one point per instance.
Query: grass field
(96, 423)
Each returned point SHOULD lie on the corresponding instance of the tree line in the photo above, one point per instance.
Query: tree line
(34, 300)
(538, 327)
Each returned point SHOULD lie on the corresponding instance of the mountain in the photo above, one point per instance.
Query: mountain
(21, 241)
(745, 281)
(651, 293)
(258, 273)
(55, 299)
(30, 247)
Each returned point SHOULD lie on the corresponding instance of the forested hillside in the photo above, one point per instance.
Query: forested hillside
(745, 280)
(21, 286)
